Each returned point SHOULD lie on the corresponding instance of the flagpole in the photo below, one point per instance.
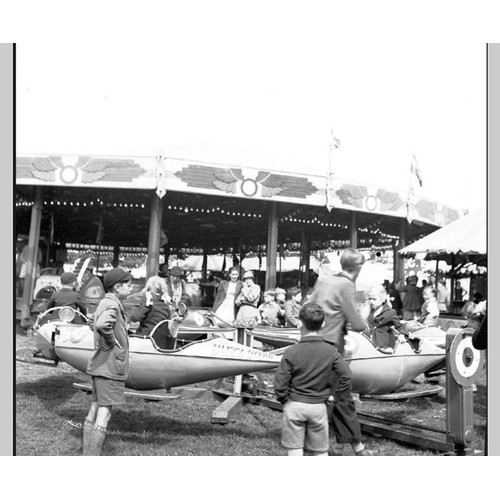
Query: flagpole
(328, 178)
(414, 171)
(409, 196)
(334, 144)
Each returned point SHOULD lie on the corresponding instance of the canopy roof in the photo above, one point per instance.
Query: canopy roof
(463, 240)
(211, 200)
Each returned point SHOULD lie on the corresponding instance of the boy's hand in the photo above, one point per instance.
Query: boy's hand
(330, 400)
(107, 347)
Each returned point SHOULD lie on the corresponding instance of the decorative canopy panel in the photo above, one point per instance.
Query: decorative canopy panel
(217, 205)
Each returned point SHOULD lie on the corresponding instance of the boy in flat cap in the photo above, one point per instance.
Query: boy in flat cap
(108, 366)
(67, 296)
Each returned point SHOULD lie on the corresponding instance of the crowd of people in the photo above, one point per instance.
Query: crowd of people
(244, 302)
(313, 381)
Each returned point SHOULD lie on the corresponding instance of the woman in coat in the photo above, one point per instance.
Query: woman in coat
(225, 306)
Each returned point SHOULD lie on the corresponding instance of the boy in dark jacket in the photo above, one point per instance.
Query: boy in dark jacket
(303, 383)
(108, 366)
(67, 296)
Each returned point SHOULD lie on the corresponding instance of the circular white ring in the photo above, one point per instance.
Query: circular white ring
(249, 191)
(371, 203)
(462, 369)
(69, 174)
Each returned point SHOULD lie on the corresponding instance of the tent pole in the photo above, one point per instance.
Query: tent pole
(32, 257)
(398, 265)
(272, 247)
(354, 231)
(204, 265)
(154, 236)
(305, 257)
(452, 284)
(116, 255)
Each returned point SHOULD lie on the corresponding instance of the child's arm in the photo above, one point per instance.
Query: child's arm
(354, 319)
(252, 293)
(282, 380)
(51, 303)
(140, 312)
(104, 326)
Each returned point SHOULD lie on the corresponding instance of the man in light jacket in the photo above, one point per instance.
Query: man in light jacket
(336, 294)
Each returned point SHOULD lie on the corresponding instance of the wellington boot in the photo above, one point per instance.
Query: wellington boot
(88, 427)
(96, 440)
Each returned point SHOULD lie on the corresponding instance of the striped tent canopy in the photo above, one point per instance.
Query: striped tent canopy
(463, 240)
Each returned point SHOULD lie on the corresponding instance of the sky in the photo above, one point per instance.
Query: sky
(391, 79)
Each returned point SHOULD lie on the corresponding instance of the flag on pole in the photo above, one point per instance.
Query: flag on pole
(414, 185)
(415, 170)
(334, 144)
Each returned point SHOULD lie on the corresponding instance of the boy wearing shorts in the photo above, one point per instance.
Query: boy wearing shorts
(108, 366)
(304, 384)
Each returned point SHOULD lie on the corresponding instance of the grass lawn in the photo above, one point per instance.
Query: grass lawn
(49, 410)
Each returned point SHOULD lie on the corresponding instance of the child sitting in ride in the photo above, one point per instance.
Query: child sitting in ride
(382, 320)
(269, 310)
(67, 296)
(281, 300)
(154, 307)
(430, 308)
(292, 306)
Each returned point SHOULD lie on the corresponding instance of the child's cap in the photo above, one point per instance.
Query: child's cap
(67, 278)
(280, 290)
(114, 276)
(176, 271)
(272, 293)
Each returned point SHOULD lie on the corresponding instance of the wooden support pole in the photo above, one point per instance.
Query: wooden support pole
(238, 379)
(399, 268)
(272, 247)
(236, 245)
(453, 280)
(354, 230)
(306, 257)
(204, 265)
(154, 236)
(32, 257)
(116, 255)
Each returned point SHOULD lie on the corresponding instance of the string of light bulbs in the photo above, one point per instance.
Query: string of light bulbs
(177, 208)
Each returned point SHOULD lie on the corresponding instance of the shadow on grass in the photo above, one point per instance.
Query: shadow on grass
(151, 421)
(153, 427)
